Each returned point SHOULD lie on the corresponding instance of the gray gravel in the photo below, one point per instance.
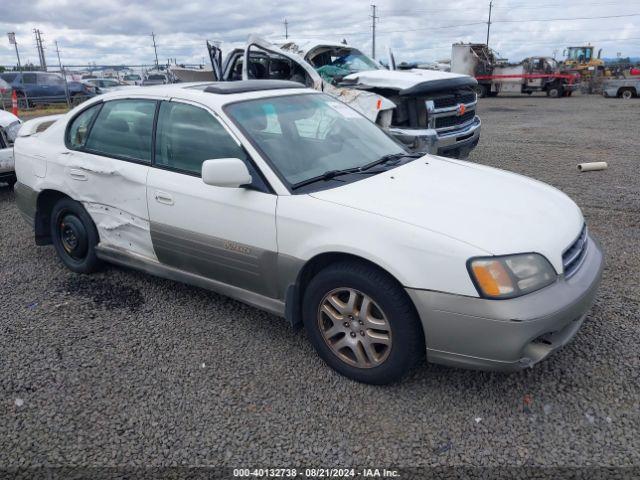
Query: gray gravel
(120, 368)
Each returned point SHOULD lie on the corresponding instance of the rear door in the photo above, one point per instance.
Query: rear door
(223, 234)
(105, 166)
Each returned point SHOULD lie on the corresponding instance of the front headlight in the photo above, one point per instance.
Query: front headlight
(12, 131)
(511, 275)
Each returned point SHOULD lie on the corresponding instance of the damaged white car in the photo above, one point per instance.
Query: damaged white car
(428, 111)
(9, 126)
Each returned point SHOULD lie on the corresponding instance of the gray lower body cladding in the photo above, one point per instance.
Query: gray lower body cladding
(508, 334)
(27, 202)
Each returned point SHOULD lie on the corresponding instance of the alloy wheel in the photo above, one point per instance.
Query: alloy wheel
(354, 327)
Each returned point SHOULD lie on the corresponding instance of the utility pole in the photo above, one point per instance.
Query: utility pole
(155, 48)
(286, 29)
(373, 31)
(489, 21)
(40, 47)
(64, 75)
(12, 41)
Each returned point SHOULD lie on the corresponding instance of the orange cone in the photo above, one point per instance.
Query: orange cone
(14, 103)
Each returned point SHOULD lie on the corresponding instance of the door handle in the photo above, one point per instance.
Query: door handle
(78, 175)
(162, 197)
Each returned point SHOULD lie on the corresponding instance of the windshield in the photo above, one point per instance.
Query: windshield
(304, 136)
(580, 54)
(339, 62)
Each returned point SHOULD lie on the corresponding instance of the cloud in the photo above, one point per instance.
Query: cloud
(119, 32)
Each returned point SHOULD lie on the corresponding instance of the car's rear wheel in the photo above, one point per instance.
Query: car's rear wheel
(74, 236)
(555, 91)
(362, 323)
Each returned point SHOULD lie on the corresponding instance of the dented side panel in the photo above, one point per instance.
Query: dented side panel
(112, 191)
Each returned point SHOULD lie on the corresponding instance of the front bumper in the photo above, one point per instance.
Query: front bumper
(456, 143)
(508, 334)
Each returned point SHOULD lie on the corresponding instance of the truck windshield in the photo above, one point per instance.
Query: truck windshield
(339, 62)
(307, 135)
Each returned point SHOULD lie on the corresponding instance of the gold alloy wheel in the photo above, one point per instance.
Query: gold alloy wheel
(354, 327)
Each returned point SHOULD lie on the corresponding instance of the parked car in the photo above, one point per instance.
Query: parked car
(104, 85)
(132, 79)
(621, 88)
(428, 111)
(155, 79)
(318, 216)
(9, 126)
(34, 88)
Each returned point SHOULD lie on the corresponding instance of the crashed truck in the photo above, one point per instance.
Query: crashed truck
(9, 126)
(496, 75)
(428, 111)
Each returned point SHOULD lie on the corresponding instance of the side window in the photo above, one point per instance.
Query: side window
(187, 135)
(48, 79)
(29, 78)
(124, 128)
(77, 133)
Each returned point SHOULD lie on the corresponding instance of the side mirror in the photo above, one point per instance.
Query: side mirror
(225, 172)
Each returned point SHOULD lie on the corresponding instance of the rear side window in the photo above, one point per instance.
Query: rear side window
(77, 135)
(188, 135)
(49, 79)
(124, 128)
(29, 78)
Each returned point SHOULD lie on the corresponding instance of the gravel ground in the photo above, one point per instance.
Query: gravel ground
(120, 368)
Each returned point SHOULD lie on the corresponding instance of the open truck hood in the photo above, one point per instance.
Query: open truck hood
(410, 82)
(496, 211)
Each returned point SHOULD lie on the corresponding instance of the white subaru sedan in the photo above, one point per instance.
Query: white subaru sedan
(288, 200)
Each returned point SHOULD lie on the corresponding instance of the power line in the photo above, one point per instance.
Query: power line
(567, 19)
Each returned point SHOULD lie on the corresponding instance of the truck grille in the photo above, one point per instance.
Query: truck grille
(453, 120)
(574, 255)
(452, 100)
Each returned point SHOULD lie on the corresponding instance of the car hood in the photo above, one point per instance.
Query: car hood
(411, 81)
(7, 118)
(496, 211)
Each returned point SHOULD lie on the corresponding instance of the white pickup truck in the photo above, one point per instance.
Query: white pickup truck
(428, 111)
(9, 126)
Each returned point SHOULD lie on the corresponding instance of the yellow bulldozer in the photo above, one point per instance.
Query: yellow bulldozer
(590, 68)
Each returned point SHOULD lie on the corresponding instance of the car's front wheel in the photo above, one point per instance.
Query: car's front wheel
(362, 323)
(74, 236)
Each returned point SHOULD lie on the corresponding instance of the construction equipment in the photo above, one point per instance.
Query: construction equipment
(495, 75)
(581, 61)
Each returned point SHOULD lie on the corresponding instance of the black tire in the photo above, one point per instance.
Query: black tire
(74, 236)
(481, 90)
(626, 93)
(555, 91)
(407, 346)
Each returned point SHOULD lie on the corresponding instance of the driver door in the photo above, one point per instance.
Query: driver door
(223, 234)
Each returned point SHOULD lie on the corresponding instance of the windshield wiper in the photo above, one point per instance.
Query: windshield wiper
(389, 158)
(328, 175)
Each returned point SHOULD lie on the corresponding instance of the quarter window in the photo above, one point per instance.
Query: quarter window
(187, 135)
(124, 128)
(29, 78)
(79, 128)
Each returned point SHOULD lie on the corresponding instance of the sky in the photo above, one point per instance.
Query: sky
(116, 32)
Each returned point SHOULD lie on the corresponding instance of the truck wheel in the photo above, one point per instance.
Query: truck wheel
(555, 91)
(626, 93)
(362, 323)
(481, 90)
(74, 236)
